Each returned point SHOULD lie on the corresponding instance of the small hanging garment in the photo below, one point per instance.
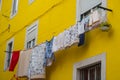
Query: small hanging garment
(81, 39)
(36, 68)
(61, 40)
(49, 55)
(23, 63)
(96, 16)
(86, 23)
(81, 27)
(14, 60)
(55, 44)
(74, 35)
(67, 38)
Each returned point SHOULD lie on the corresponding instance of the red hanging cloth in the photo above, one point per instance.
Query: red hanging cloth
(14, 60)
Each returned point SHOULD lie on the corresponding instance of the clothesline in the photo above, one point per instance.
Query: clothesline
(32, 62)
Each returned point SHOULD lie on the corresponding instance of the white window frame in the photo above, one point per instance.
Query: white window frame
(13, 14)
(36, 35)
(99, 58)
(78, 13)
(6, 58)
(0, 5)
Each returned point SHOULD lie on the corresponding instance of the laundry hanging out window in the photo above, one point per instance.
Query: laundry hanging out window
(84, 6)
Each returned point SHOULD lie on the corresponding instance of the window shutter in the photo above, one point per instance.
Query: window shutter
(31, 33)
(86, 5)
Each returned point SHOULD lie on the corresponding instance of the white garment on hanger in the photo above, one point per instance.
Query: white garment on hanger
(91, 19)
(96, 16)
(81, 27)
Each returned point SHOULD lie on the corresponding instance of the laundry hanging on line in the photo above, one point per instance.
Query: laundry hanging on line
(14, 60)
(23, 63)
(36, 67)
(49, 54)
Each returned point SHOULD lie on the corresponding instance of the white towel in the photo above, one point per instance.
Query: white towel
(23, 63)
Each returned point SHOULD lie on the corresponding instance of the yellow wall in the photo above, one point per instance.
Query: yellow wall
(54, 16)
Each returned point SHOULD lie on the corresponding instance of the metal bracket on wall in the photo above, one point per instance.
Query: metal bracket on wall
(105, 8)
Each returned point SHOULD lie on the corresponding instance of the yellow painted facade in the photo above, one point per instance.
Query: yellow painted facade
(55, 16)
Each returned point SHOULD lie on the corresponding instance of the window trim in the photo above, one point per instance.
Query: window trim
(12, 15)
(36, 36)
(1, 5)
(99, 58)
(5, 63)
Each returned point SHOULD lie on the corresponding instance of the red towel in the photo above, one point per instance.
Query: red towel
(14, 60)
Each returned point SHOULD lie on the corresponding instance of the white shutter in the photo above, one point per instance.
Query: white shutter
(86, 5)
(32, 32)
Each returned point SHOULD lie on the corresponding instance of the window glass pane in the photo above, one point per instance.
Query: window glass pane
(9, 53)
(98, 72)
(33, 42)
(84, 74)
(91, 72)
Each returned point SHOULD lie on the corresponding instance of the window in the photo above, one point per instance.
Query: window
(85, 5)
(31, 35)
(0, 4)
(14, 8)
(91, 72)
(8, 54)
(31, 1)
(91, 69)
